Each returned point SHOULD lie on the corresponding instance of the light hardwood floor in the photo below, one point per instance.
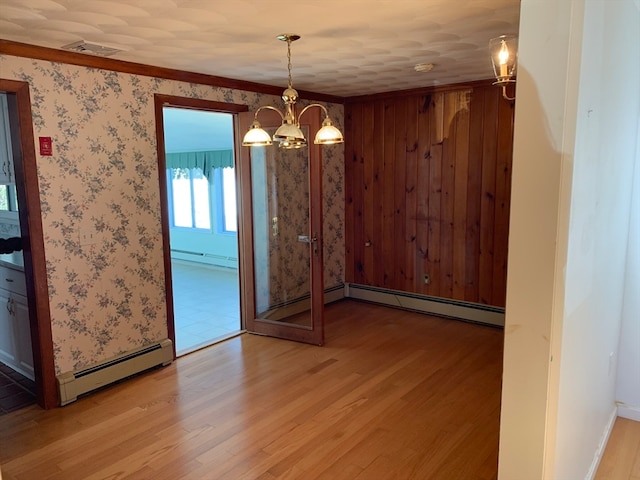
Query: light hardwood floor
(621, 459)
(392, 394)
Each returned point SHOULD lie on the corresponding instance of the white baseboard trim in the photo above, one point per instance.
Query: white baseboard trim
(632, 412)
(333, 294)
(591, 474)
(443, 307)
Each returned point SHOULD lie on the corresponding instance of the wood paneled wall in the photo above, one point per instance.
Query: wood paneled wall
(427, 181)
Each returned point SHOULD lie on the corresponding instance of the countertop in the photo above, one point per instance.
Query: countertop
(13, 260)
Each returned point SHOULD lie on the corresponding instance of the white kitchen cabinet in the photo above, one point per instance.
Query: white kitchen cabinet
(7, 176)
(15, 330)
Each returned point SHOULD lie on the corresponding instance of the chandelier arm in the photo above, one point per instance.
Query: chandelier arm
(324, 109)
(268, 107)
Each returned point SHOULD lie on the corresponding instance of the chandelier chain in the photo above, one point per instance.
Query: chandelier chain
(289, 60)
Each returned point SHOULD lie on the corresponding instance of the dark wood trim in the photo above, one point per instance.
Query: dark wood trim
(161, 101)
(245, 225)
(315, 223)
(416, 91)
(26, 171)
(164, 219)
(17, 49)
(198, 104)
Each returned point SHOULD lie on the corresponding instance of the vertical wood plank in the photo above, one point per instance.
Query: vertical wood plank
(349, 205)
(389, 195)
(411, 174)
(400, 198)
(448, 187)
(422, 193)
(378, 194)
(474, 193)
(461, 173)
(487, 204)
(367, 192)
(436, 120)
(503, 195)
(357, 193)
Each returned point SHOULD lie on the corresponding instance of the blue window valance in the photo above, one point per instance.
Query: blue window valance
(205, 160)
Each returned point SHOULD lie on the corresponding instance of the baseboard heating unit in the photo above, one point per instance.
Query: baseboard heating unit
(73, 384)
(443, 307)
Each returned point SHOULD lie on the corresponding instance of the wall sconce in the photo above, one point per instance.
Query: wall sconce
(504, 56)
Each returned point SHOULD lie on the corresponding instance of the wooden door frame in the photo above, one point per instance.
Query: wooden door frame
(35, 268)
(161, 101)
(313, 121)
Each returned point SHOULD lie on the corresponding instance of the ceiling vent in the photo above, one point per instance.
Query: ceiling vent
(91, 48)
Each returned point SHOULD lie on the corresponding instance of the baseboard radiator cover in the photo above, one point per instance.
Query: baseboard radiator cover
(278, 311)
(73, 384)
(472, 312)
(205, 258)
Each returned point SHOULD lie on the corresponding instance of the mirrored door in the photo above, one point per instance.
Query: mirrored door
(284, 240)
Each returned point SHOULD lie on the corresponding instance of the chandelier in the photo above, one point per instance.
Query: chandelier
(504, 56)
(289, 134)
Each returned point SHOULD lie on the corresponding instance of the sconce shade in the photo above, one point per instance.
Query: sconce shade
(256, 136)
(288, 131)
(328, 134)
(504, 56)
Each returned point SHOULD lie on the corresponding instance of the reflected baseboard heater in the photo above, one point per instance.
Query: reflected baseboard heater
(206, 258)
(73, 384)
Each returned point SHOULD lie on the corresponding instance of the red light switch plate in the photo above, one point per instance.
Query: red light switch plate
(46, 147)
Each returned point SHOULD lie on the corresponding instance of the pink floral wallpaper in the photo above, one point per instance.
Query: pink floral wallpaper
(107, 296)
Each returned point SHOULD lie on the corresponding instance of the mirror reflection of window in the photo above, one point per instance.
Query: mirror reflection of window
(8, 198)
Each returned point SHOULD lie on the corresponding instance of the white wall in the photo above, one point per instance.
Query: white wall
(574, 150)
(628, 380)
(542, 159)
(605, 147)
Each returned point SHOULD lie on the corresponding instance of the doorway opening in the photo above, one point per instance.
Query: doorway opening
(202, 214)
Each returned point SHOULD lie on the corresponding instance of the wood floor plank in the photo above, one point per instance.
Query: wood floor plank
(392, 393)
(621, 459)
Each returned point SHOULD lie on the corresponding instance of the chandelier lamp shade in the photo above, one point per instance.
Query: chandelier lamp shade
(504, 57)
(289, 134)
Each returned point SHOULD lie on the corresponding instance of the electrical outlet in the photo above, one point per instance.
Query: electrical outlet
(88, 236)
(427, 279)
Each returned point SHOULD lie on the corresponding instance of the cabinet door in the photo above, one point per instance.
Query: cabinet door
(7, 331)
(24, 353)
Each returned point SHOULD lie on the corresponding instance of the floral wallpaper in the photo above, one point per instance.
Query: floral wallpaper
(280, 192)
(100, 203)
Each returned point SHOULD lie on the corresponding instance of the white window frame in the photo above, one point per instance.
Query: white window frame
(216, 204)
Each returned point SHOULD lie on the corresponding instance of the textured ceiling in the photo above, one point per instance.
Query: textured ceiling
(348, 47)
